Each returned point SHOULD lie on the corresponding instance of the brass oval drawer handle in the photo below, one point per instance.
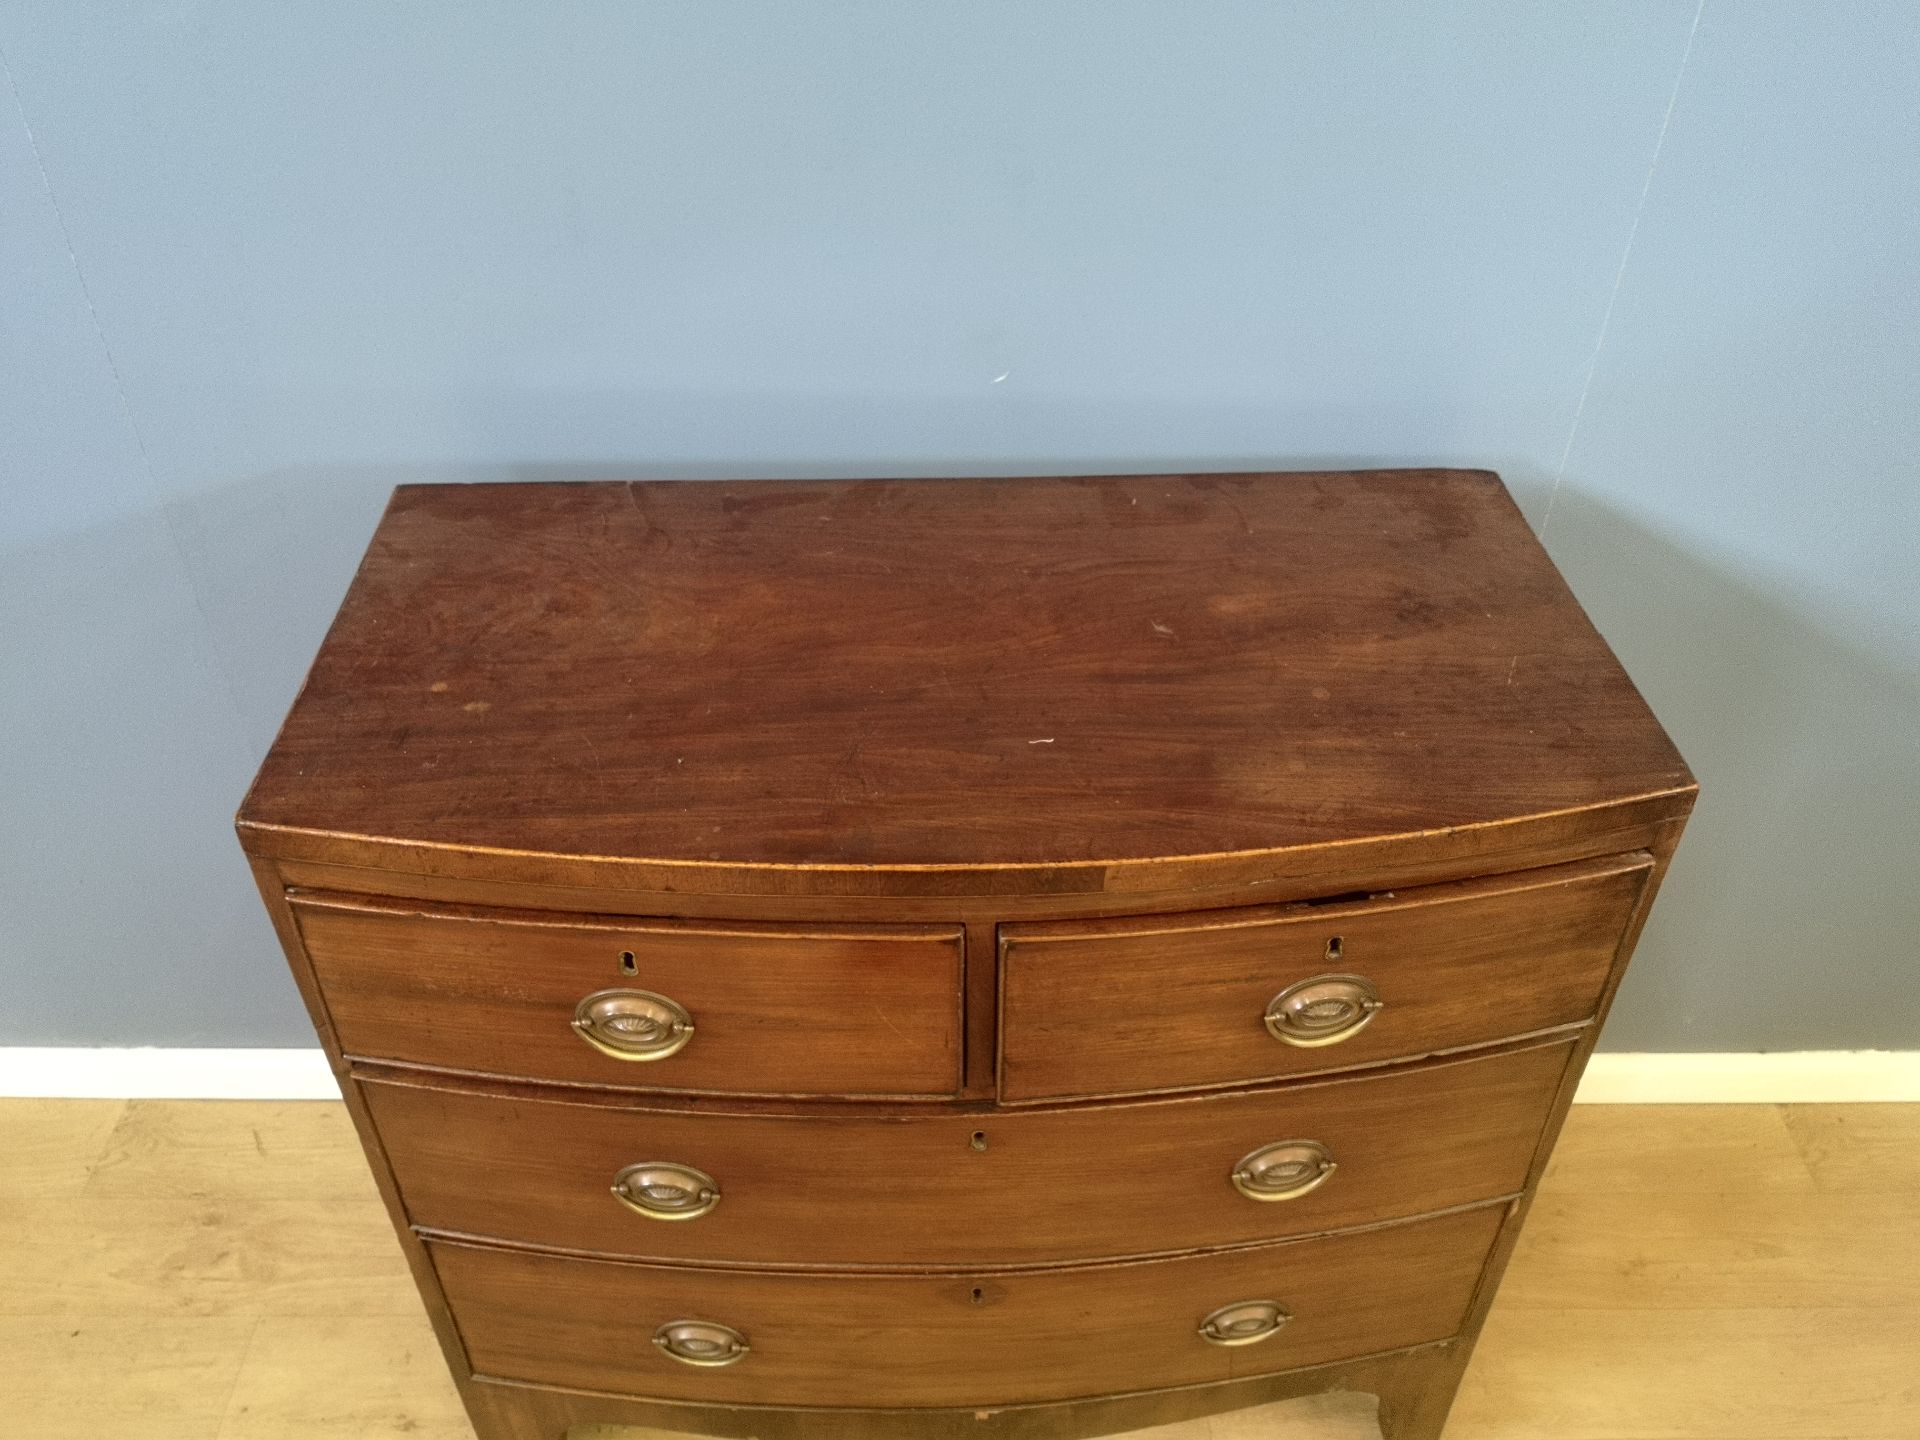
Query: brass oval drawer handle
(661, 1190)
(1324, 1010)
(633, 1024)
(701, 1342)
(1247, 1322)
(1283, 1171)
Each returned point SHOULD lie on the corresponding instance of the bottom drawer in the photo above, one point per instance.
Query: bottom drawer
(991, 1338)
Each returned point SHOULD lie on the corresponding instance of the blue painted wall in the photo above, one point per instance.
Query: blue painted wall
(1654, 261)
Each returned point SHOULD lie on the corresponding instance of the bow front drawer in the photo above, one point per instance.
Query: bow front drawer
(1169, 1002)
(988, 1338)
(593, 1173)
(660, 1005)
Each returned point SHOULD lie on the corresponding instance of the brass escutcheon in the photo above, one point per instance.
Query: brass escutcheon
(1285, 1170)
(662, 1190)
(633, 1024)
(1245, 1322)
(705, 1343)
(1323, 1010)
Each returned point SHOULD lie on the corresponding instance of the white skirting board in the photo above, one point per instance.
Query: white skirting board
(1795, 1077)
(1804, 1077)
(166, 1074)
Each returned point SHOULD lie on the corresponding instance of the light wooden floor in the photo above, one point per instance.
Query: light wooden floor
(223, 1271)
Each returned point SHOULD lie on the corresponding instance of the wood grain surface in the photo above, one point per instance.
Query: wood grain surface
(963, 1190)
(887, 675)
(979, 1340)
(821, 1010)
(1103, 1007)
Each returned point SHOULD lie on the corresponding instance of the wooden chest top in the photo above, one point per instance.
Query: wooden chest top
(1074, 680)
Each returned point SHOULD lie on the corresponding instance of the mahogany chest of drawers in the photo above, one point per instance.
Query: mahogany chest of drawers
(1028, 957)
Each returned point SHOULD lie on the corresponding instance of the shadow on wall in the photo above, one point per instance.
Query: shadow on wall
(154, 689)
(1790, 918)
(153, 656)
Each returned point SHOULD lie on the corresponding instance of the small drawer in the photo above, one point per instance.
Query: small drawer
(658, 1005)
(982, 1339)
(1018, 1187)
(1169, 1002)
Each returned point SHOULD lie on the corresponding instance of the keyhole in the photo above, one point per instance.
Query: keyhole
(627, 967)
(1333, 948)
(979, 1295)
(979, 1142)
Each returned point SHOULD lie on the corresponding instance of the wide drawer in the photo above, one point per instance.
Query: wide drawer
(1018, 1187)
(1167, 1002)
(726, 1008)
(985, 1339)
